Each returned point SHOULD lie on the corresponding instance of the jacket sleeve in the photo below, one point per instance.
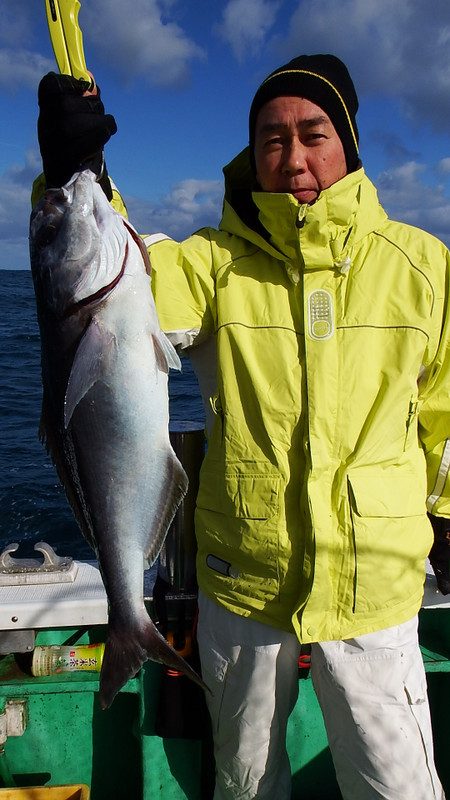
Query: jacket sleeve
(434, 414)
(183, 286)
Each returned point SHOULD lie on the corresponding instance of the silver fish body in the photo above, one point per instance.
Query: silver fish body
(105, 366)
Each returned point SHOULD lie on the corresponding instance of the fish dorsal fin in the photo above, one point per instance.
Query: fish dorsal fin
(166, 355)
(88, 366)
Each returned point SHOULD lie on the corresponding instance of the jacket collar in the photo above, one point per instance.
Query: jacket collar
(320, 236)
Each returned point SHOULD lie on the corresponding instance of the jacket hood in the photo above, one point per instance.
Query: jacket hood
(320, 235)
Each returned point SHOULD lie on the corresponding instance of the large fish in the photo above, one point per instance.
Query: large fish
(105, 363)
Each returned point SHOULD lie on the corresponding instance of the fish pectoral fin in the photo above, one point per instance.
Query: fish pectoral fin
(165, 353)
(88, 366)
(176, 486)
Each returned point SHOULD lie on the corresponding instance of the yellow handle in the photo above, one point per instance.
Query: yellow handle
(66, 37)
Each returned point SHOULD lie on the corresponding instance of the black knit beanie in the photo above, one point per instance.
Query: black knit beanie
(325, 81)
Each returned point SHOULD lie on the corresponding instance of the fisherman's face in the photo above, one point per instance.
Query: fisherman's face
(297, 149)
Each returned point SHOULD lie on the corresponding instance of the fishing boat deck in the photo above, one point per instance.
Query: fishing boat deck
(67, 739)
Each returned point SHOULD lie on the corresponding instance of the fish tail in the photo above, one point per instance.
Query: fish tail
(125, 653)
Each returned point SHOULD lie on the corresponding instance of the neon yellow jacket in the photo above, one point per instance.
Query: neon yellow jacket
(331, 331)
(332, 408)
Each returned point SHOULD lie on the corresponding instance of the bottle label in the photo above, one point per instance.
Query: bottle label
(53, 659)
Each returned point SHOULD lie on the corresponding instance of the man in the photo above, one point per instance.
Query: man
(320, 334)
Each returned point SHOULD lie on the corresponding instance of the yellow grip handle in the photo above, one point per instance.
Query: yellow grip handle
(66, 37)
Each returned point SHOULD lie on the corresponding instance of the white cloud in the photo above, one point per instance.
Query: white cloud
(141, 40)
(22, 68)
(396, 49)
(402, 187)
(444, 166)
(21, 64)
(15, 208)
(245, 25)
(408, 196)
(189, 205)
(15, 22)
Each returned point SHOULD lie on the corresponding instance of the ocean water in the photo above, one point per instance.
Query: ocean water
(33, 505)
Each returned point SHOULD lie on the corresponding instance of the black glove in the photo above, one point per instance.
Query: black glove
(72, 130)
(440, 552)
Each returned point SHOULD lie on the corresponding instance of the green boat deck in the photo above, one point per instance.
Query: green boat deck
(68, 739)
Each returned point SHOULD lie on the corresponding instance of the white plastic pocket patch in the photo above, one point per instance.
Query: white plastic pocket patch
(320, 314)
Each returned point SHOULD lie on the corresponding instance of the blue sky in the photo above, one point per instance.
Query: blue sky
(179, 76)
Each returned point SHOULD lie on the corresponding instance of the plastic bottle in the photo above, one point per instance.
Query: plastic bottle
(53, 659)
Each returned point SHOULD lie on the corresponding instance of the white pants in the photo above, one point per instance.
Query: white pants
(372, 691)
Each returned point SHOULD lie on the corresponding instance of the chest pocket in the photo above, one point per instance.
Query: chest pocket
(257, 292)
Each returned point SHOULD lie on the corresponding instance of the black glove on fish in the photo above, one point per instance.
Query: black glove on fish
(72, 130)
(440, 552)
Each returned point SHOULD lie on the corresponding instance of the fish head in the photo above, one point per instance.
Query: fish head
(77, 244)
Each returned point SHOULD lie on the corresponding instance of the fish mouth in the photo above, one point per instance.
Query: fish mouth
(47, 218)
(80, 247)
(55, 202)
(67, 212)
